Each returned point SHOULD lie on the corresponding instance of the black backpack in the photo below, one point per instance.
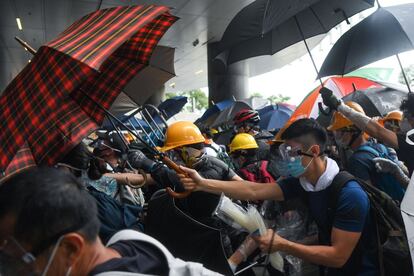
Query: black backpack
(393, 250)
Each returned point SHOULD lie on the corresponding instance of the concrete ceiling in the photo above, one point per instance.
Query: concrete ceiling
(202, 20)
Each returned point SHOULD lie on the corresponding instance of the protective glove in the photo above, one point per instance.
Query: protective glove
(138, 160)
(387, 166)
(329, 99)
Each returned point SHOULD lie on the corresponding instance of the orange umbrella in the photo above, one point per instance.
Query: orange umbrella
(341, 86)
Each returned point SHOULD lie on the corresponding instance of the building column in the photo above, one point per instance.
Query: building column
(226, 82)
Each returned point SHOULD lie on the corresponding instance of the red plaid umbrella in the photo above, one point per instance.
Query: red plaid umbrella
(46, 105)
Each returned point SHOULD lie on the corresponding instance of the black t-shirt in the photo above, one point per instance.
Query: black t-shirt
(405, 152)
(137, 256)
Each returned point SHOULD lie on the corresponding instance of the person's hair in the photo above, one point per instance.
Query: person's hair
(407, 105)
(79, 157)
(308, 132)
(46, 204)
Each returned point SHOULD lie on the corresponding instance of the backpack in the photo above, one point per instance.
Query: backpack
(386, 182)
(393, 250)
(257, 172)
(176, 266)
(223, 156)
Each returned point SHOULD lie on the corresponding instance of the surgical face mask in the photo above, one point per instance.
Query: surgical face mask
(405, 125)
(290, 161)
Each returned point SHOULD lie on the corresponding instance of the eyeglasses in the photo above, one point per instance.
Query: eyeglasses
(14, 258)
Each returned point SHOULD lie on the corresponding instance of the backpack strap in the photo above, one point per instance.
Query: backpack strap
(335, 188)
(366, 148)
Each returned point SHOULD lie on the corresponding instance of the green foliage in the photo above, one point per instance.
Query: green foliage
(409, 72)
(257, 95)
(279, 98)
(197, 99)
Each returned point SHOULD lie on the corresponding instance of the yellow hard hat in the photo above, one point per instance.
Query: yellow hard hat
(181, 134)
(340, 121)
(393, 115)
(243, 141)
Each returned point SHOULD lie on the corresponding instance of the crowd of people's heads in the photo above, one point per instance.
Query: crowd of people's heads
(46, 208)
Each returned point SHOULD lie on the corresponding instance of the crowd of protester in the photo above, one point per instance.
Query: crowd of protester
(329, 195)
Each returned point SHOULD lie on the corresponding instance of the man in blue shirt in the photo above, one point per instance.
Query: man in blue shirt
(347, 239)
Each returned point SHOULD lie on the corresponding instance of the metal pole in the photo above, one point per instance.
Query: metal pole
(307, 48)
(403, 73)
(29, 48)
(146, 121)
(156, 125)
(145, 132)
(118, 132)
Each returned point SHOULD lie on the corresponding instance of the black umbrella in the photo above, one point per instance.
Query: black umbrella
(268, 26)
(226, 116)
(375, 102)
(386, 32)
(153, 77)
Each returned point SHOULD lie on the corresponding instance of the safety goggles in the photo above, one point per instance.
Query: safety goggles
(288, 152)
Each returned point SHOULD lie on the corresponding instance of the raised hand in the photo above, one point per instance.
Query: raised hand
(329, 99)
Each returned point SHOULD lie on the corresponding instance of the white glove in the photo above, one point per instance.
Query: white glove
(387, 166)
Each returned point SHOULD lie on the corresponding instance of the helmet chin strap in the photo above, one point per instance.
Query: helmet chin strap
(354, 137)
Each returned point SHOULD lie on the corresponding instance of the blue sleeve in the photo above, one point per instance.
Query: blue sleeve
(291, 188)
(360, 165)
(352, 208)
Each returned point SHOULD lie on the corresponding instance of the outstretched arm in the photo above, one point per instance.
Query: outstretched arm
(240, 189)
(362, 121)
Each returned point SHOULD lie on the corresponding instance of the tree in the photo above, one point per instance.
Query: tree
(279, 98)
(197, 99)
(257, 95)
(409, 72)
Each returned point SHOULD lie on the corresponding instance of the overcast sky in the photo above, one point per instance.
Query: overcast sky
(298, 78)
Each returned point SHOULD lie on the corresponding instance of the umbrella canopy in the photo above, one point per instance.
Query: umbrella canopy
(213, 111)
(153, 77)
(274, 117)
(226, 116)
(150, 79)
(376, 101)
(386, 32)
(53, 102)
(268, 26)
(340, 86)
(172, 106)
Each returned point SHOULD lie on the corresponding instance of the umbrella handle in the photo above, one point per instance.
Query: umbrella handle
(167, 161)
(325, 112)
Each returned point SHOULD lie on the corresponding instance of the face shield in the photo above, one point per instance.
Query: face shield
(289, 162)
